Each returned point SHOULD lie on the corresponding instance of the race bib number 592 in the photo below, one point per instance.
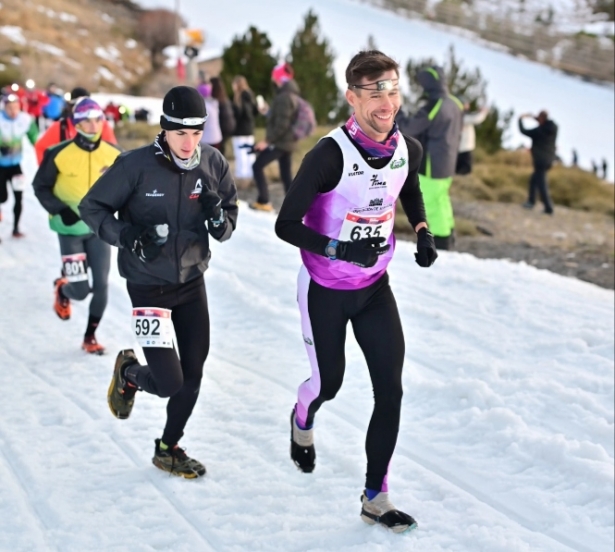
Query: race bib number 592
(153, 327)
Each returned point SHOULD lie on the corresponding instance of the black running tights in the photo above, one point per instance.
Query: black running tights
(373, 313)
(167, 374)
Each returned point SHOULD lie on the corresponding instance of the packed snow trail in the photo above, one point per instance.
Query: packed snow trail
(506, 441)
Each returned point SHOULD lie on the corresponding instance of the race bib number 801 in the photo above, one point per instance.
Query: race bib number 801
(358, 226)
(75, 267)
(153, 327)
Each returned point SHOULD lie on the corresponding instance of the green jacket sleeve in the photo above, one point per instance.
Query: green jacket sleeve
(32, 133)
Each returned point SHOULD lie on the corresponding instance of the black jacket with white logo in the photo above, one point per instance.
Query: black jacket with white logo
(145, 187)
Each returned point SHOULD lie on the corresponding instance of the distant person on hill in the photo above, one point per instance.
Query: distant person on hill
(605, 167)
(279, 140)
(226, 115)
(437, 125)
(594, 167)
(543, 138)
(575, 158)
(64, 129)
(468, 137)
(245, 110)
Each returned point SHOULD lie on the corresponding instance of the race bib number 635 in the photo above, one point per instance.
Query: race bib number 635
(359, 226)
(153, 327)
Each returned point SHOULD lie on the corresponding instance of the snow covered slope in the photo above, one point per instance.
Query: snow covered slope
(584, 112)
(506, 441)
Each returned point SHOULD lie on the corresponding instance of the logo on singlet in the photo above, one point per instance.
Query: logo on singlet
(355, 171)
(308, 340)
(398, 163)
(155, 193)
(375, 183)
(376, 202)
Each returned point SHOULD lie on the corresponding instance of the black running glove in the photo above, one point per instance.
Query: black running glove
(363, 253)
(212, 205)
(426, 254)
(143, 242)
(68, 216)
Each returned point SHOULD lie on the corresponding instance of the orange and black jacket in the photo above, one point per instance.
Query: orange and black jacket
(65, 130)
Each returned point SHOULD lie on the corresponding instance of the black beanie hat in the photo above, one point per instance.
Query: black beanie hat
(79, 92)
(181, 103)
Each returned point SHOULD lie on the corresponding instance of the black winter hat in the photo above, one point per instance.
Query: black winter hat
(78, 92)
(183, 107)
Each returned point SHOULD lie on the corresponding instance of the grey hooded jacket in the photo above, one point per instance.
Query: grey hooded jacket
(281, 117)
(437, 125)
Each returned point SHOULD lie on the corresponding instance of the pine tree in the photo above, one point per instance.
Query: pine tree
(249, 55)
(312, 60)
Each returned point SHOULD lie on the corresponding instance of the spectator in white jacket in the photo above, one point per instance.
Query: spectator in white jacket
(468, 137)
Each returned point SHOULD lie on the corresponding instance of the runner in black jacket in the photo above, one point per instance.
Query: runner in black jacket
(169, 196)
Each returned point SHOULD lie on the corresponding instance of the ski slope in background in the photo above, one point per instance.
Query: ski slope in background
(584, 112)
(506, 439)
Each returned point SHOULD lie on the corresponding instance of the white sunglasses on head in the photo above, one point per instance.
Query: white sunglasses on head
(186, 121)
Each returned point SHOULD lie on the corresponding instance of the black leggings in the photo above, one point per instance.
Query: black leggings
(6, 176)
(166, 374)
(258, 168)
(325, 313)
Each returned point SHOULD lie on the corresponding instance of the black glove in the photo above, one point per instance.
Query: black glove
(68, 216)
(212, 205)
(143, 241)
(426, 254)
(363, 253)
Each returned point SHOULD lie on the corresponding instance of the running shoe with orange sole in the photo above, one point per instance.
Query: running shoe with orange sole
(61, 305)
(90, 345)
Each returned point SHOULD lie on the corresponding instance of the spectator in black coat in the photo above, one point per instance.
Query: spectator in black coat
(245, 110)
(227, 118)
(543, 154)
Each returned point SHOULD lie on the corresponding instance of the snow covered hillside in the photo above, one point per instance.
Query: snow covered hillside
(584, 112)
(507, 424)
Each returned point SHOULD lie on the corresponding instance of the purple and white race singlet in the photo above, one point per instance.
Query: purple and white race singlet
(362, 205)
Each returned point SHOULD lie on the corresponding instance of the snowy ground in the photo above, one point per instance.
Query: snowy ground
(584, 112)
(507, 425)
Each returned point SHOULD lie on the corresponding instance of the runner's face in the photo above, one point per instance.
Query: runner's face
(375, 110)
(91, 126)
(12, 109)
(184, 142)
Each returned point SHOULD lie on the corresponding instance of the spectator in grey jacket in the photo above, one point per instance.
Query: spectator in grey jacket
(279, 142)
(437, 125)
(543, 154)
